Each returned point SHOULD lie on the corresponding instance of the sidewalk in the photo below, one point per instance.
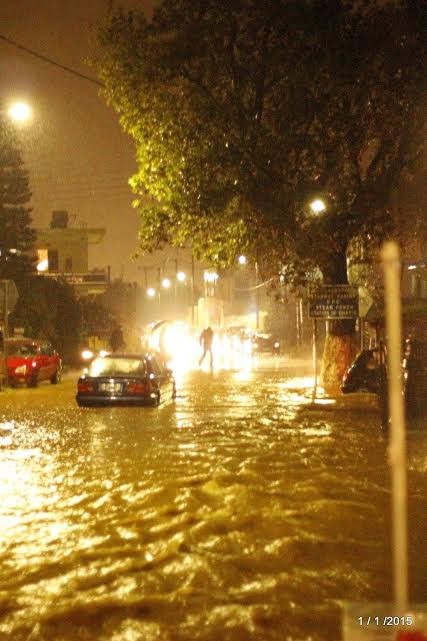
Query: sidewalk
(336, 400)
(325, 399)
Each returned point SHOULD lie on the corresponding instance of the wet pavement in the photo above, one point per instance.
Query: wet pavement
(240, 512)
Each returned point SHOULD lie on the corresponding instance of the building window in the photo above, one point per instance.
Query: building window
(53, 260)
(42, 260)
(68, 264)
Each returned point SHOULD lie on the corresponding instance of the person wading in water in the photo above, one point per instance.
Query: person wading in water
(206, 340)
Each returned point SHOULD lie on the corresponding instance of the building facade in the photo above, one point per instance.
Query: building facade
(63, 252)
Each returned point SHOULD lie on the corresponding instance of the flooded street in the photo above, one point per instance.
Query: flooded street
(237, 513)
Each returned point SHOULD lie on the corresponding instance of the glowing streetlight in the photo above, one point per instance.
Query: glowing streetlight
(242, 260)
(19, 112)
(151, 292)
(210, 277)
(166, 283)
(317, 206)
(181, 276)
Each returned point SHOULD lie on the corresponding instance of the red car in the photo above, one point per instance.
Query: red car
(30, 361)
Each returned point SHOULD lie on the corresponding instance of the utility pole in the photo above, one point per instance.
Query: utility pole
(175, 286)
(192, 290)
(6, 327)
(256, 296)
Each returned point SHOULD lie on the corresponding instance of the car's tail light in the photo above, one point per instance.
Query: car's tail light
(137, 388)
(84, 387)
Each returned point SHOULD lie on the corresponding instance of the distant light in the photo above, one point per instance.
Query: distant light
(151, 292)
(412, 267)
(317, 206)
(166, 283)
(242, 260)
(210, 277)
(181, 276)
(19, 111)
(43, 265)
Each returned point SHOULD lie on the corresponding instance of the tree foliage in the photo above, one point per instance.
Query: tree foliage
(47, 308)
(242, 111)
(16, 235)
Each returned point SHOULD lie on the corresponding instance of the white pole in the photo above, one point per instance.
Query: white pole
(314, 357)
(397, 451)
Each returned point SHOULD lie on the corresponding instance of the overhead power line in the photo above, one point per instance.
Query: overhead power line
(50, 61)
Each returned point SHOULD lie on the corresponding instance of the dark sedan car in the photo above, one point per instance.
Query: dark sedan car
(126, 379)
(363, 375)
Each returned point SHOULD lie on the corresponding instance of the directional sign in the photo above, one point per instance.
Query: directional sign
(365, 301)
(333, 301)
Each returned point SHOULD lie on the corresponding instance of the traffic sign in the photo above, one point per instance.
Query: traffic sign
(333, 302)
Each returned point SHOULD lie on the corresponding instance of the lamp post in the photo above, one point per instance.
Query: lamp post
(256, 296)
(242, 260)
(192, 291)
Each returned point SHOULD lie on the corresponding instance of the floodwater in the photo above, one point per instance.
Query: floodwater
(237, 513)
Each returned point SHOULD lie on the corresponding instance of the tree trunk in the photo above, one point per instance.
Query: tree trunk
(339, 351)
(340, 341)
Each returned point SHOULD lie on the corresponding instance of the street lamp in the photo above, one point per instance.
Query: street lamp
(317, 206)
(19, 112)
(181, 276)
(151, 292)
(242, 260)
(166, 283)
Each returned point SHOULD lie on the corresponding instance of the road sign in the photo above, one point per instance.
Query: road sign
(8, 297)
(365, 301)
(333, 301)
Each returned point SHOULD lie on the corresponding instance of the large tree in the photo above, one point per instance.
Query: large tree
(243, 111)
(16, 235)
(47, 308)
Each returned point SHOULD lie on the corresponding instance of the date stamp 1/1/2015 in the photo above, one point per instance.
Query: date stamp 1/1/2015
(388, 620)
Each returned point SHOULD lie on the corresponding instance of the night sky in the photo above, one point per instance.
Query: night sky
(78, 157)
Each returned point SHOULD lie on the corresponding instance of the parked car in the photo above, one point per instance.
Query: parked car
(126, 379)
(363, 373)
(31, 361)
(265, 343)
(368, 373)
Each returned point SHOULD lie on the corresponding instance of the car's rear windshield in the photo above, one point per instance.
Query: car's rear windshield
(21, 349)
(118, 367)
